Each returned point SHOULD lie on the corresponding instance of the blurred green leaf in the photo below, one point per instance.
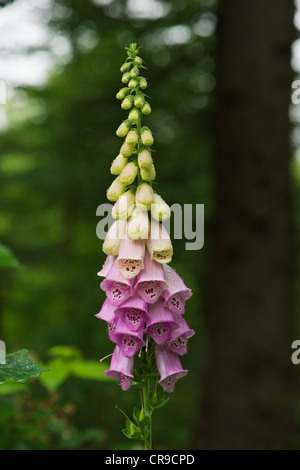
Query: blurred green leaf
(77, 438)
(56, 375)
(89, 370)
(67, 352)
(19, 367)
(10, 387)
(7, 258)
(66, 364)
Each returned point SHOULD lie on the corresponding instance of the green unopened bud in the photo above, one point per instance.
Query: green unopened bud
(127, 149)
(154, 398)
(139, 100)
(118, 164)
(142, 414)
(123, 128)
(144, 158)
(133, 83)
(146, 109)
(143, 83)
(134, 115)
(115, 190)
(144, 195)
(126, 77)
(127, 102)
(132, 137)
(160, 210)
(129, 173)
(146, 136)
(124, 206)
(125, 67)
(134, 72)
(122, 93)
(138, 60)
(148, 174)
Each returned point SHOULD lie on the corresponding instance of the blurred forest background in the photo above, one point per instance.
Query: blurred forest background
(228, 147)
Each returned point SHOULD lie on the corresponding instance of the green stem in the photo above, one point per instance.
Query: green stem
(148, 436)
(138, 128)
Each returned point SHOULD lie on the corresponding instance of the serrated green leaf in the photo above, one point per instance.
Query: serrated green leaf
(136, 435)
(145, 421)
(19, 367)
(160, 404)
(7, 258)
(132, 435)
(128, 425)
(126, 433)
(136, 414)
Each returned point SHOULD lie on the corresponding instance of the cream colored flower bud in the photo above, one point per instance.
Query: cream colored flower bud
(127, 149)
(132, 137)
(143, 83)
(139, 100)
(134, 115)
(146, 109)
(115, 190)
(138, 60)
(122, 93)
(126, 77)
(118, 164)
(144, 158)
(160, 210)
(138, 224)
(148, 174)
(146, 136)
(114, 237)
(124, 206)
(159, 243)
(144, 195)
(133, 84)
(129, 173)
(123, 128)
(135, 72)
(127, 102)
(125, 67)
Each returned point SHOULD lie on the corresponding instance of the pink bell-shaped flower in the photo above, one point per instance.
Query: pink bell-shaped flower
(121, 369)
(151, 280)
(129, 342)
(107, 313)
(169, 368)
(111, 327)
(117, 289)
(161, 322)
(133, 312)
(177, 292)
(179, 336)
(130, 259)
(106, 266)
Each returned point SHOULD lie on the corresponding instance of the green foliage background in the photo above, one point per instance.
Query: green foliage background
(54, 172)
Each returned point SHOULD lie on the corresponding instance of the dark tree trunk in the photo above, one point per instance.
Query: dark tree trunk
(250, 381)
